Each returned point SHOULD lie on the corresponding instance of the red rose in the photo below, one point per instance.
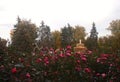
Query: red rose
(87, 70)
(14, 70)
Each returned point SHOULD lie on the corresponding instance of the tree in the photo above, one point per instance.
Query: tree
(57, 39)
(105, 44)
(3, 47)
(91, 41)
(67, 36)
(115, 31)
(23, 36)
(79, 33)
(44, 37)
(115, 27)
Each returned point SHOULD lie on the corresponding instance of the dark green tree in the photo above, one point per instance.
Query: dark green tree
(23, 36)
(91, 41)
(67, 36)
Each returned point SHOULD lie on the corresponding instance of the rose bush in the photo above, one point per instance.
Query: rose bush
(63, 65)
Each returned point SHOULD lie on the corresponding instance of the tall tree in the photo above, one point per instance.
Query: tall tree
(115, 27)
(91, 41)
(79, 33)
(23, 36)
(44, 37)
(115, 31)
(57, 39)
(67, 36)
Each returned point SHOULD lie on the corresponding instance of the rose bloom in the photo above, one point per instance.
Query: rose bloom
(61, 55)
(46, 62)
(2, 67)
(87, 70)
(78, 61)
(98, 74)
(104, 55)
(68, 47)
(98, 60)
(84, 59)
(14, 70)
(45, 59)
(28, 75)
(68, 51)
(89, 52)
(103, 75)
(68, 54)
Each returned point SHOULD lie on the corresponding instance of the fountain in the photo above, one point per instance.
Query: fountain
(80, 47)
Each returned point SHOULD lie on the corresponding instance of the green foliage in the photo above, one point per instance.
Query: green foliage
(115, 30)
(115, 27)
(105, 44)
(91, 41)
(63, 65)
(3, 47)
(24, 36)
(44, 38)
(67, 36)
(79, 34)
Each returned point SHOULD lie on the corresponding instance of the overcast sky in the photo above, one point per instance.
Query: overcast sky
(57, 13)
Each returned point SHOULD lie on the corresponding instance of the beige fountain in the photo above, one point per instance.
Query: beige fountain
(80, 47)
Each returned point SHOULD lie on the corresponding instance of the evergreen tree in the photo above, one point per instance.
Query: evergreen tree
(44, 37)
(67, 36)
(91, 41)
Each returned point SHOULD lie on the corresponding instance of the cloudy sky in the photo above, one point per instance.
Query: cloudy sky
(57, 13)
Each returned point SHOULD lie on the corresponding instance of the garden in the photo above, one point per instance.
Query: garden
(61, 65)
(35, 54)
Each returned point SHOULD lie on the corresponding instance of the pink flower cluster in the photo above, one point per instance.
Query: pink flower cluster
(63, 65)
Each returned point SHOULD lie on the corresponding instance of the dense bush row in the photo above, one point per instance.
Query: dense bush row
(62, 65)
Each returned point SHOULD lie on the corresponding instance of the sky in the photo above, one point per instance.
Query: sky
(57, 13)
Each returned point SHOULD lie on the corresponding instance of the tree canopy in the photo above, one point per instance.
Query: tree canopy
(44, 37)
(79, 33)
(66, 36)
(24, 34)
(91, 41)
(115, 31)
(57, 39)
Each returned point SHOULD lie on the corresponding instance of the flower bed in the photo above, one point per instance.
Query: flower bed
(63, 65)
